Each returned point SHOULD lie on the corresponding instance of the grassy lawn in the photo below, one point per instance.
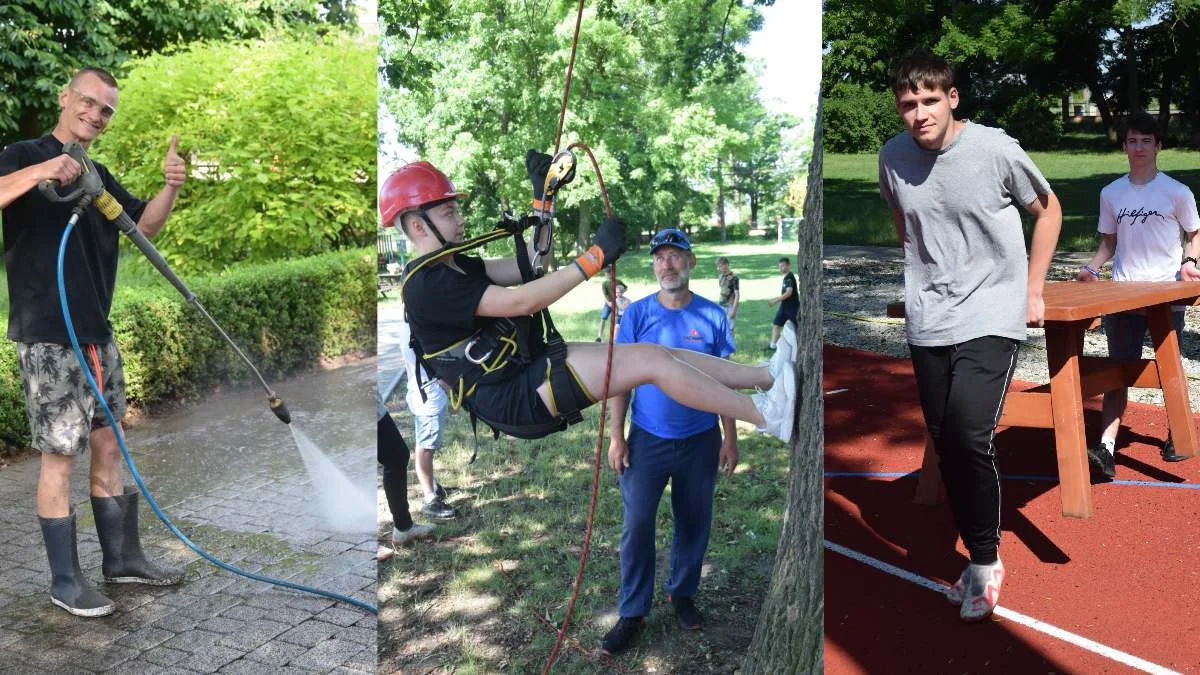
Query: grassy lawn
(854, 213)
(472, 601)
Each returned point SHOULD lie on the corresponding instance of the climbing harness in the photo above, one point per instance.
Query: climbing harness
(89, 194)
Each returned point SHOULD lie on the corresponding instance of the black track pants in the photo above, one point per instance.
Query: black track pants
(962, 394)
(392, 453)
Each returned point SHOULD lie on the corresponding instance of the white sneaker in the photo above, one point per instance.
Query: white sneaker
(778, 406)
(981, 593)
(787, 337)
(783, 358)
(417, 531)
(958, 590)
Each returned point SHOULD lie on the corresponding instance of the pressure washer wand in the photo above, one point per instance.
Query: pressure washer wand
(93, 189)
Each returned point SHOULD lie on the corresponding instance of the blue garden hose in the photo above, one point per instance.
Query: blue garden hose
(66, 311)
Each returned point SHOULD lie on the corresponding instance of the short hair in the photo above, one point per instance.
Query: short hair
(786, 260)
(722, 260)
(1140, 122)
(607, 289)
(105, 76)
(921, 69)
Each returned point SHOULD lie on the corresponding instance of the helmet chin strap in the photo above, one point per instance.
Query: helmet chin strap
(433, 228)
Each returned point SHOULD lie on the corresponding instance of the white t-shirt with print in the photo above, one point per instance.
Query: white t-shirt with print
(1148, 221)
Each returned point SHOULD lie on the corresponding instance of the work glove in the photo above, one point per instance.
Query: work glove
(610, 237)
(537, 164)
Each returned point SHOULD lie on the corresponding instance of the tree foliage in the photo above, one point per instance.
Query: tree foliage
(279, 136)
(660, 92)
(44, 41)
(1021, 58)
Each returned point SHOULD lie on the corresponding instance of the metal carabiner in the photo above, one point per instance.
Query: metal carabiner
(472, 359)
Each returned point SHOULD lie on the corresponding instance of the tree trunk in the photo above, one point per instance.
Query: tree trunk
(1131, 74)
(790, 632)
(721, 199)
(1066, 107)
(1164, 104)
(1102, 105)
(584, 237)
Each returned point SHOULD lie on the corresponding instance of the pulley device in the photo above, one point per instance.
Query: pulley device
(90, 190)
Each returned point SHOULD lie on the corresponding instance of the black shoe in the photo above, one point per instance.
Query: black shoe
(1168, 452)
(685, 610)
(69, 588)
(441, 492)
(1102, 461)
(622, 634)
(439, 509)
(124, 561)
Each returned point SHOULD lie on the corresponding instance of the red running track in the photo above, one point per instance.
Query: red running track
(1128, 578)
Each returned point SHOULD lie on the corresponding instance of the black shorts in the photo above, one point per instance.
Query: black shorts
(515, 401)
(785, 314)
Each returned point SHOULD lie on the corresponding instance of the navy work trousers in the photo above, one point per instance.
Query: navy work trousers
(962, 391)
(691, 466)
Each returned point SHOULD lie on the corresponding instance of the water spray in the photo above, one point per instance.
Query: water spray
(90, 189)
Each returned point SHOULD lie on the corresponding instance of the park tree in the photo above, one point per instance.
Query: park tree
(790, 632)
(1015, 59)
(487, 84)
(46, 41)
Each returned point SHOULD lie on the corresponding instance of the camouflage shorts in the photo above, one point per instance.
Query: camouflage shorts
(61, 407)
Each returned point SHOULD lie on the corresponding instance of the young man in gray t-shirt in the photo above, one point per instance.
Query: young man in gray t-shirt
(955, 190)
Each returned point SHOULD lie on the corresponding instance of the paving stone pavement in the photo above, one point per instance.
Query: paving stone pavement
(229, 475)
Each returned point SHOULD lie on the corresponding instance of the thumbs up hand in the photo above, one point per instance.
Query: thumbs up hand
(174, 170)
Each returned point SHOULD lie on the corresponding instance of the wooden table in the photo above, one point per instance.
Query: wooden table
(1071, 308)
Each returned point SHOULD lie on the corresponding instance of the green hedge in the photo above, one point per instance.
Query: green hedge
(285, 316)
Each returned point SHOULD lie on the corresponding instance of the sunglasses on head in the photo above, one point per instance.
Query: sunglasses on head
(669, 238)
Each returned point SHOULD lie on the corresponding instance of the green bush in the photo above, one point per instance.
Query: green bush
(859, 119)
(285, 316)
(279, 137)
(1030, 120)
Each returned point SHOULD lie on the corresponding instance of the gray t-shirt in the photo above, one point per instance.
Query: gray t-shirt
(964, 251)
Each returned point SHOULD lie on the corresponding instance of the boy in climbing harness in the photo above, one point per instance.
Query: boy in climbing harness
(482, 340)
(64, 417)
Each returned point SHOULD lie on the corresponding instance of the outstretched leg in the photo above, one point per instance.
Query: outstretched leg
(647, 363)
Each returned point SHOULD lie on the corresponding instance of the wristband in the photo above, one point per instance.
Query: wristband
(1092, 270)
(1189, 259)
(590, 262)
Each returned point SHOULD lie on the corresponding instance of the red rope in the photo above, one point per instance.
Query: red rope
(562, 113)
(587, 537)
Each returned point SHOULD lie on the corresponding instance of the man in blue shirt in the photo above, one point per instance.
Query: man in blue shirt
(668, 441)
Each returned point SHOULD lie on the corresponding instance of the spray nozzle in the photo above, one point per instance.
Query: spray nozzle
(280, 409)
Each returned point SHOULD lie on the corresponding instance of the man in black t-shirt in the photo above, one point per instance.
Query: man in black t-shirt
(64, 416)
(454, 301)
(788, 301)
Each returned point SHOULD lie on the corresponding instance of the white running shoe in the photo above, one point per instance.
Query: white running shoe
(957, 591)
(778, 406)
(981, 591)
(417, 531)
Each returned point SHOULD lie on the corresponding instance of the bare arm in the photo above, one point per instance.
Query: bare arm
(159, 209)
(618, 448)
(527, 298)
(1188, 271)
(1047, 213)
(728, 458)
(62, 169)
(1104, 253)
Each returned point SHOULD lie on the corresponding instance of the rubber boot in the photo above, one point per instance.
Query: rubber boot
(124, 562)
(69, 589)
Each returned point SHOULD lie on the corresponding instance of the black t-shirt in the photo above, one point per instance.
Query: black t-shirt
(792, 304)
(33, 227)
(440, 304)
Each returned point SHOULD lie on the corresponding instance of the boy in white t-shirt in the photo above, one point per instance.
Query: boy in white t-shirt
(1142, 216)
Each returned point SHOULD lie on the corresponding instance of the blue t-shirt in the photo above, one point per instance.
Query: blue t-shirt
(701, 326)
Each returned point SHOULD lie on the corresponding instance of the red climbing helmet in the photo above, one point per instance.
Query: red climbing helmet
(412, 186)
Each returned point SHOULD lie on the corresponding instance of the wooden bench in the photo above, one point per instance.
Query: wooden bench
(1071, 309)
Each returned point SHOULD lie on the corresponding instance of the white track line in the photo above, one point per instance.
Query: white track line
(1040, 626)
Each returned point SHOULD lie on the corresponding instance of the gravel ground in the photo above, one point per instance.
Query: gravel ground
(860, 281)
